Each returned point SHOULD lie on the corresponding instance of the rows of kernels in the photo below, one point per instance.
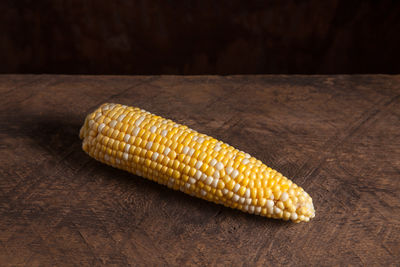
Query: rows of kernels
(174, 155)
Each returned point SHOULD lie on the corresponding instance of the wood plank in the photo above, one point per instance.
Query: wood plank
(336, 136)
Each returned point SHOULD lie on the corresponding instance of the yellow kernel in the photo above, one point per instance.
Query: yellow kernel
(179, 148)
(158, 139)
(196, 154)
(181, 157)
(230, 185)
(175, 164)
(210, 171)
(207, 159)
(280, 205)
(253, 192)
(260, 193)
(185, 178)
(153, 165)
(245, 180)
(192, 172)
(204, 167)
(221, 184)
(147, 162)
(192, 162)
(137, 141)
(226, 178)
(172, 154)
(286, 215)
(262, 201)
(277, 194)
(170, 172)
(202, 156)
(241, 191)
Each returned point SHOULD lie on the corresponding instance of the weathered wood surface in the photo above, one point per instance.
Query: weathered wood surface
(336, 136)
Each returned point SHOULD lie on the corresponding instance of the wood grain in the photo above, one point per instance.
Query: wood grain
(336, 136)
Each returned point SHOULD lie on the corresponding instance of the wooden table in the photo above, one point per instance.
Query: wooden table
(336, 136)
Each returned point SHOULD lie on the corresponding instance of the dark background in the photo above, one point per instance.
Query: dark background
(199, 37)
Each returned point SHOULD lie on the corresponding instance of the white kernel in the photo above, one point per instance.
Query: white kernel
(164, 122)
(140, 120)
(215, 183)
(203, 192)
(113, 123)
(248, 201)
(241, 200)
(200, 140)
(149, 145)
(164, 133)
(199, 164)
(258, 209)
(216, 175)
(98, 115)
(247, 156)
(203, 177)
(106, 107)
(225, 191)
(195, 138)
(127, 147)
(209, 180)
(213, 162)
(106, 157)
(192, 180)
(217, 148)
(101, 127)
(185, 150)
(136, 131)
(271, 196)
(176, 125)
(155, 156)
(277, 210)
(246, 207)
(235, 173)
(127, 137)
(251, 209)
(302, 217)
(284, 196)
(270, 203)
(125, 156)
(229, 170)
(247, 193)
(293, 216)
(236, 188)
(197, 175)
(219, 166)
(187, 185)
(166, 151)
(245, 161)
(121, 117)
(153, 129)
(191, 152)
(235, 198)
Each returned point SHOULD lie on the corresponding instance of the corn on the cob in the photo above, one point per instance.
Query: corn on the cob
(147, 145)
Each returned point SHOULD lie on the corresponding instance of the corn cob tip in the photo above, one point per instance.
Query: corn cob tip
(174, 155)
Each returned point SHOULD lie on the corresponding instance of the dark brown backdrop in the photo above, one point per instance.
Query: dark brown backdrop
(198, 37)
